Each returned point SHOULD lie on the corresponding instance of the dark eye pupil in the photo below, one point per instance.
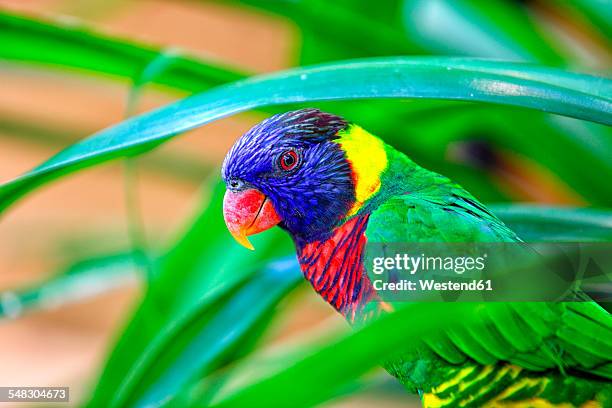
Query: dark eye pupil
(288, 160)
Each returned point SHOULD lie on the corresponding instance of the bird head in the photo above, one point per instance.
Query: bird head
(304, 170)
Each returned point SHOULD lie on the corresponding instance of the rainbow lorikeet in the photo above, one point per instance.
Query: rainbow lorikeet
(335, 188)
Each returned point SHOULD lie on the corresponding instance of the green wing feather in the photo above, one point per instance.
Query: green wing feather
(534, 336)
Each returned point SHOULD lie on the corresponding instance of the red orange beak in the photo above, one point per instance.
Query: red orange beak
(246, 213)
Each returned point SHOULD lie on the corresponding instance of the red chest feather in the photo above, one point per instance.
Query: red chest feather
(335, 268)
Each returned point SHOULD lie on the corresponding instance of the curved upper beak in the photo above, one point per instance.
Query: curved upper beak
(246, 213)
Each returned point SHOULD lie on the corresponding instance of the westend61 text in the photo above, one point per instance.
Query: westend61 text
(478, 285)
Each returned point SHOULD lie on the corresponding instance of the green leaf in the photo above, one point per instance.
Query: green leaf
(81, 280)
(202, 342)
(63, 43)
(489, 28)
(549, 90)
(318, 376)
(230, 333)
(556, 224)
(54, 137)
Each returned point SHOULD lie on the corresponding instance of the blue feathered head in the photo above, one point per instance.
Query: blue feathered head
(288, 170)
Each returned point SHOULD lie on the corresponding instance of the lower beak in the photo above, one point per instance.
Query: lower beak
(246, 213)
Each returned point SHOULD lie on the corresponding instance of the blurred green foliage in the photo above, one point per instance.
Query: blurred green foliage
(202, 312)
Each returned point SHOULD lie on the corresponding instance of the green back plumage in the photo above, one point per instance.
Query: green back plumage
(531, 352)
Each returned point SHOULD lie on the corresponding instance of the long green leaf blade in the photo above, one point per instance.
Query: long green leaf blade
(234, 324)
(327, 370)
(557, 224)
(66, 44)
(575, 95)
(81, 280)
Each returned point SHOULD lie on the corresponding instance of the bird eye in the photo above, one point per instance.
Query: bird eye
(289, 160)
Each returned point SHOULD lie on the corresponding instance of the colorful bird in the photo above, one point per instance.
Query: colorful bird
(335, 188)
